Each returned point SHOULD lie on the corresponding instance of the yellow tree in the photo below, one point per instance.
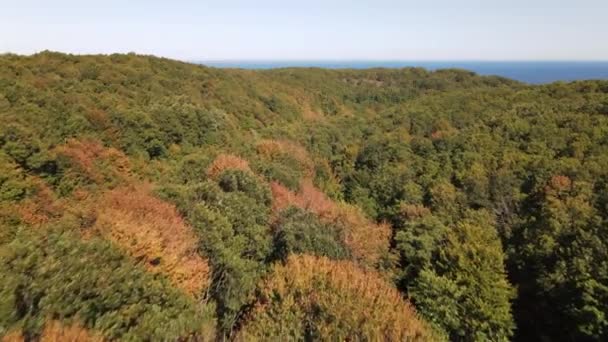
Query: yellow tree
(315, 298)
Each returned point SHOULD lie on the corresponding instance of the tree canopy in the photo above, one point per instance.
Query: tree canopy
(148, 199)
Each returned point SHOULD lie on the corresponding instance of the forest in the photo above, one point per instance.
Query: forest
(147, 199)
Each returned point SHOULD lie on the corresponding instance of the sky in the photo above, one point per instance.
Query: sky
(312, 30)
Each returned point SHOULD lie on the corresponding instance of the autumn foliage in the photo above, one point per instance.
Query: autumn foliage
(225, 162)
(321, 299)
(558, 183)
(413, 211)
(83, 159)
(41, 207)
(153, 232)
(54, 331)
(13, 336)
(483, 180)
(275, 148)
(91, 159)
(367, 240)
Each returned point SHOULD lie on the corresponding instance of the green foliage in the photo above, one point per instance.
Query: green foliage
(13, 183)
(50, 274)
(297, 231)
(18, 144)
(437, 299)
(565, 249)
(417, 244)
(472, 266)
(245, 182)
(231, 219)
(457, 277)
(420, 150)
(281, 173)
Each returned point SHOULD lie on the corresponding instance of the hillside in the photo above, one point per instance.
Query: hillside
(143, 198)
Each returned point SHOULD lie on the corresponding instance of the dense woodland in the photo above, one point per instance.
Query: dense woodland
(148, 199)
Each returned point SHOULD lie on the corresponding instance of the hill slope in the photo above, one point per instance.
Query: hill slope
(144, 198)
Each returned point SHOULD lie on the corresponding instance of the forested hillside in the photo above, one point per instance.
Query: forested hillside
(148, 199)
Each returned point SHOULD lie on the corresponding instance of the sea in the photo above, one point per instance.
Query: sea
(533, 72)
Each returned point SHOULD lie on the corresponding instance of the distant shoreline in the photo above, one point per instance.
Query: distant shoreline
(533, 72)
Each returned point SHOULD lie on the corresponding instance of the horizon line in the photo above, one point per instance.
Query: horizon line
(261, 60)
(199, 60)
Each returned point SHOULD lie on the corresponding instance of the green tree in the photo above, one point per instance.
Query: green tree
(457, 278)
(49, 274)
(562, 265)
(297, 231)
(231, 217)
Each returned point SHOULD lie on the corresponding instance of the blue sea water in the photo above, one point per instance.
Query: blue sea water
(534, 72)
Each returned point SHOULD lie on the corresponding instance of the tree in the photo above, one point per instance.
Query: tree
(562, 265)
(231, 217)
(417, 244)
(456, 277)
(311, 298)
(297, 231)
(116, 298)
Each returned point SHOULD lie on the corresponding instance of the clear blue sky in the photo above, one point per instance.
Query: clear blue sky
(313, 29)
